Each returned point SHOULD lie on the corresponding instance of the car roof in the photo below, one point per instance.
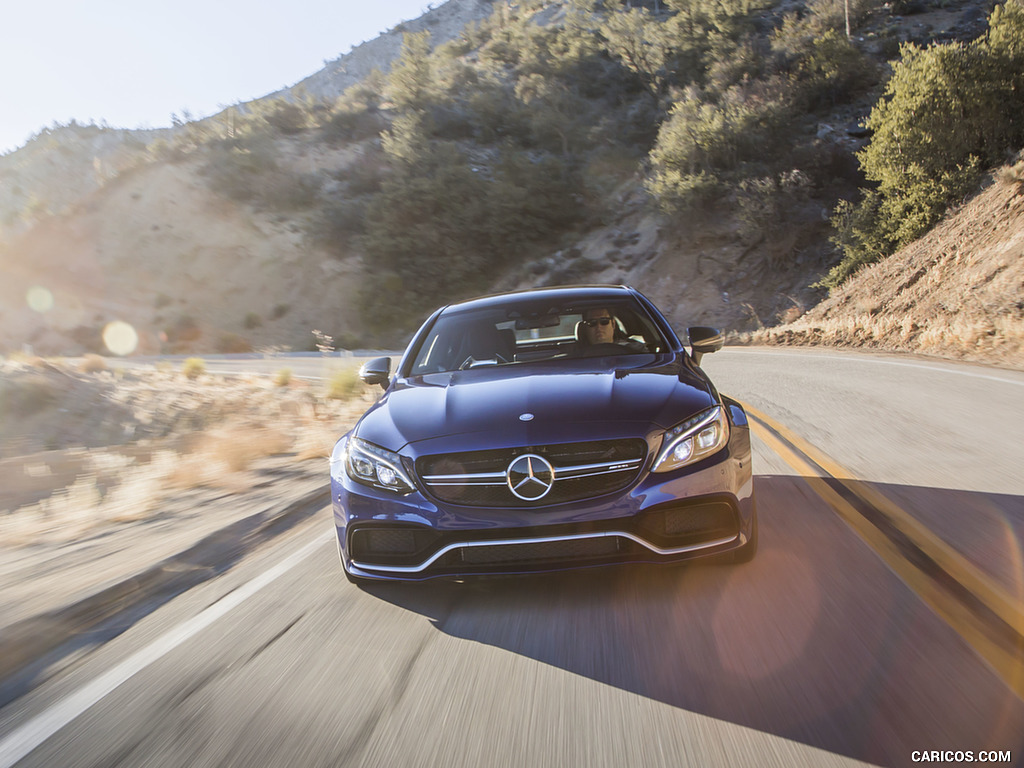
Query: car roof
(559, 294)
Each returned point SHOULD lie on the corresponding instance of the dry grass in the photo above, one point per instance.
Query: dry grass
(954, 293)
(344, 384)
(245, 420)
(317, 442)
(75, 510)
(234, 449)
(118, 488)
(92, 363)
(1012, 176)
(27, 360)
(963, 338)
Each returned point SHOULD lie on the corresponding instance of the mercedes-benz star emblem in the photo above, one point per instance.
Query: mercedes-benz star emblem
(530, 477)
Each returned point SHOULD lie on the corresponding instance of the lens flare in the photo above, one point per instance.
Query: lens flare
(39, 299)
(120, 338)
(785, 624)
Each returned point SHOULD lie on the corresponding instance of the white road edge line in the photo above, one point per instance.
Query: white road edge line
(24, 739)
(939, 366)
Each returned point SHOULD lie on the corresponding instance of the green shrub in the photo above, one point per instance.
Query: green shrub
(288, 118)
(949, 112)
(349, 340)
(283, 377)
(344, 384)
(337, 222)
(930, 133)
(289, 192)
(233, 343)
(443, 225)
(642, 43)
(238, 170)
(831, 72)
(701, 136)
(247, 171)
(352, 124)
(858, 236)
(411, 84)
(765, 204)
(364, 175)
(678, 192)
(184, 330)
(702, 144)
(193, 367)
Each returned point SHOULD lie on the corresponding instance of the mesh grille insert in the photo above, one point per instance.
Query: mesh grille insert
(581, 471)
(573, 549)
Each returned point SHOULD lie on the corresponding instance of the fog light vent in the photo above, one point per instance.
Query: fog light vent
(699, 519)
(373, 544)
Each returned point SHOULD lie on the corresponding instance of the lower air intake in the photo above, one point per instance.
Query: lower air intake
(573, 549)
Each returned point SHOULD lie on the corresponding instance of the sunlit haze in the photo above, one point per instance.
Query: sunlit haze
(132, 65)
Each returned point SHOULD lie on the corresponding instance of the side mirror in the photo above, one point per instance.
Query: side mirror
(376, 371)
(704, 340)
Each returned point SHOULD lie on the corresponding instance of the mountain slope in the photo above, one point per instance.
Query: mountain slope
(249, 229)
(956, 292)
(188, 269)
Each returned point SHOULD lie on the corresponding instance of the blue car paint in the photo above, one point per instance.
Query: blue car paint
(639, 395)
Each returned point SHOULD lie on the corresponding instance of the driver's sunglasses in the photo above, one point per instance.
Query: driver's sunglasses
(597, 321)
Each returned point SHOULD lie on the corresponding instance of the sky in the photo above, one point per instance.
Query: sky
(134, 63)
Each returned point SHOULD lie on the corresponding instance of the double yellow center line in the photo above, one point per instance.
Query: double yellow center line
(979, 610)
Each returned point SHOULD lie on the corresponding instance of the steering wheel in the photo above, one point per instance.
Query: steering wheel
(471, 361)
(609, 348)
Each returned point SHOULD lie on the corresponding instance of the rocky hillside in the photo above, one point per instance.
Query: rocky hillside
(60, 167)
(63, 164)
(444, 23)
(957, 292)
(189, 270)
(204, 240)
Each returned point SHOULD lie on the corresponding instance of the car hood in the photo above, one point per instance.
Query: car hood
(535, 404)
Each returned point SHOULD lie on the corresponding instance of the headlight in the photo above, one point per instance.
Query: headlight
(693, 440)
(371, 465)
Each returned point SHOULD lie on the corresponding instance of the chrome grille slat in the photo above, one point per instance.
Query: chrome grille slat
(468, 477)
(573, 479)
(561, 473)
(420, 567)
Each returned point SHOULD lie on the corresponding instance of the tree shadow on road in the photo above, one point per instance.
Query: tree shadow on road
(814, 641)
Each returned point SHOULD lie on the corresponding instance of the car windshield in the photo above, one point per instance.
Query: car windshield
(511, 334)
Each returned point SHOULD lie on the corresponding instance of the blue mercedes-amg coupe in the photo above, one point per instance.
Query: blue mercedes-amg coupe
(542, 430)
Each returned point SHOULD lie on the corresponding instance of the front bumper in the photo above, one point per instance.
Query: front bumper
(704, 509)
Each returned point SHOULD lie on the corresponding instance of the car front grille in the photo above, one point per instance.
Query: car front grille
(579, 471)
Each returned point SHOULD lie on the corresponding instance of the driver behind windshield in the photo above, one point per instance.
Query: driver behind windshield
(599, 326)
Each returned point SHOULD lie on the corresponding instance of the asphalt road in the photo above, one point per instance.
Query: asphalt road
(816, 653)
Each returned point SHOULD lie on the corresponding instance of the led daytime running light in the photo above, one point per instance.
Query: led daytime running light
(372, 465)
(701, 435)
